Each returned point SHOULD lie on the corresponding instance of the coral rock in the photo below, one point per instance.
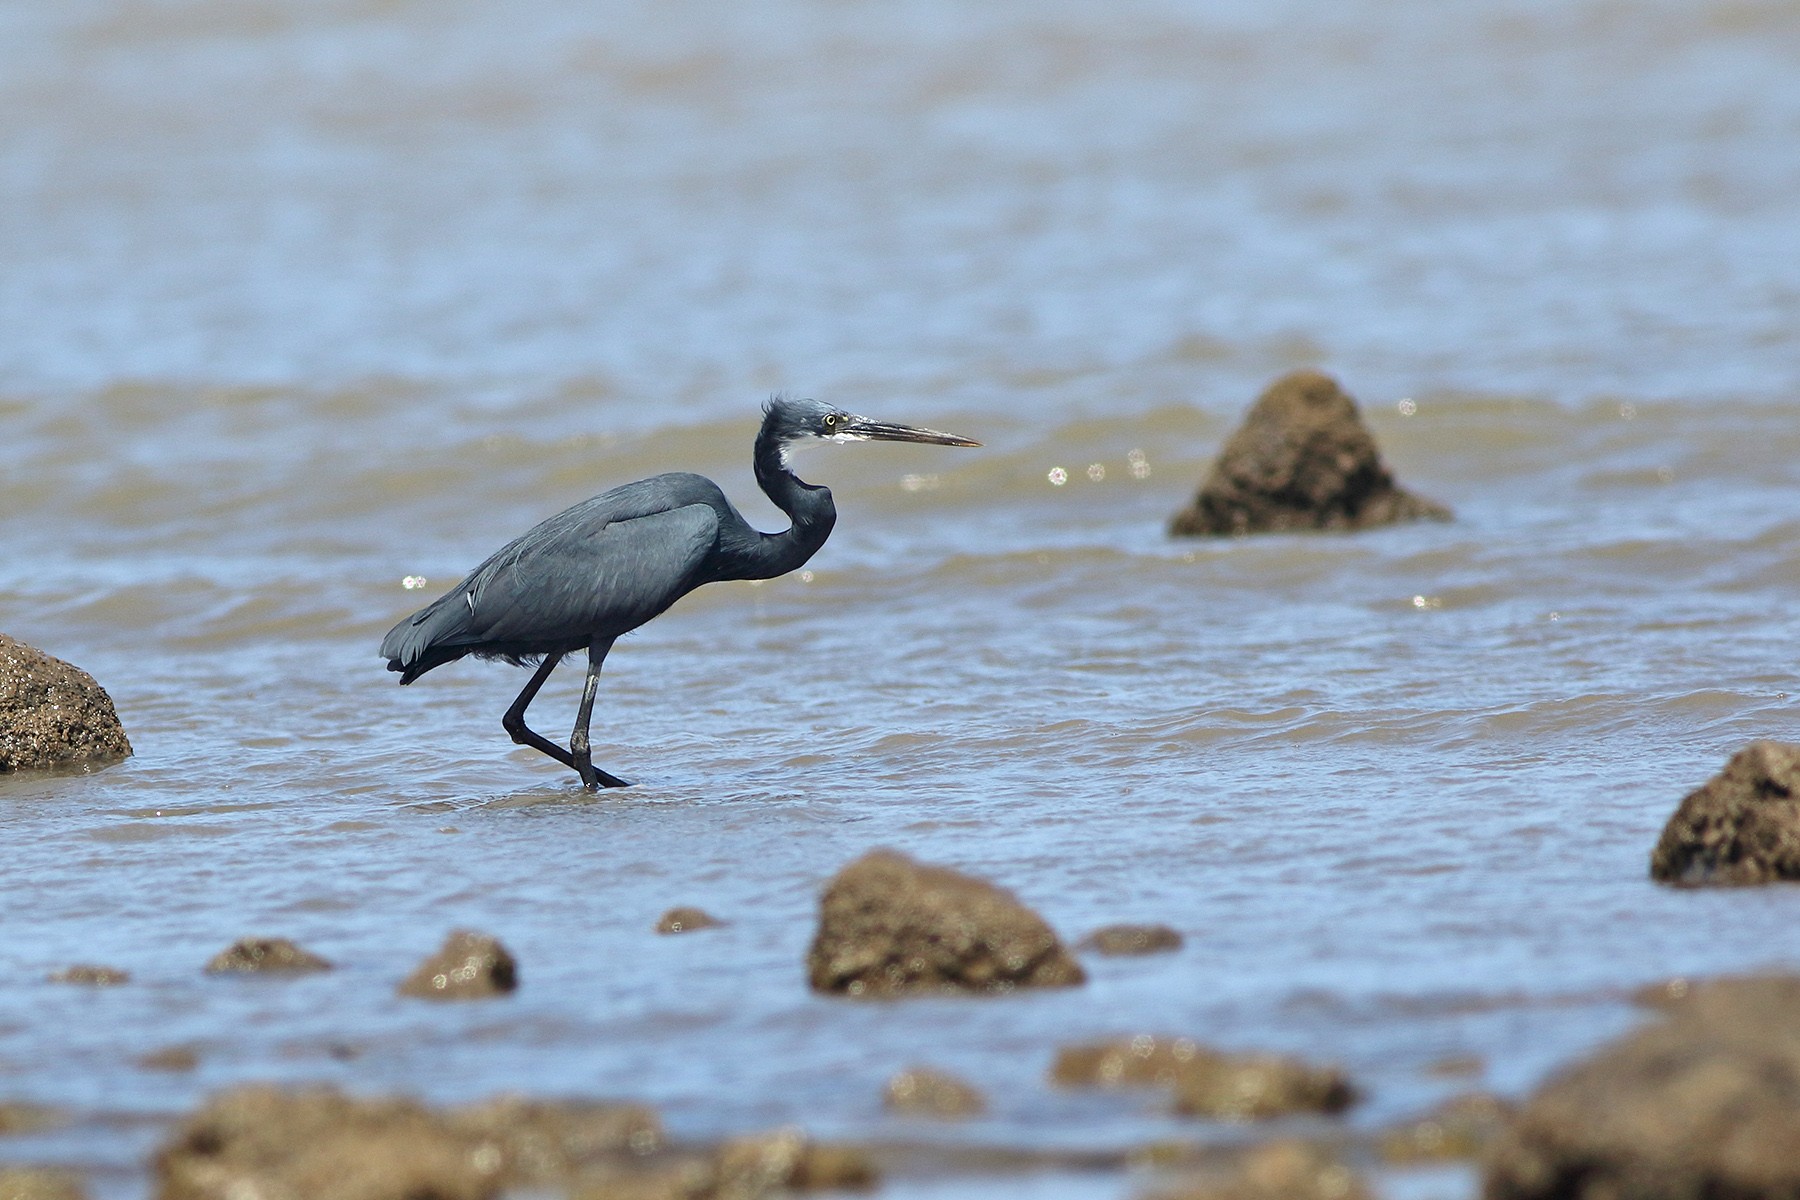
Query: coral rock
(1301, 460)
(889, 926)
(1743, 826)
(53, 715)
(265, 955)
(470, 966)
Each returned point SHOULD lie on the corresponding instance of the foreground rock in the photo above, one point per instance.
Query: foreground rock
(1206, 1082)
(687, 920)
(53, 715)
(1301, 460)
(469, 966)
(1280, 1170)
(318, 1144)
(1702, 1104)
(36, 1183)
(1742, 827)
(1462, 1127)
(1127, 940)
(273, 956)
(89, 975)
(923, 1092)
(889, 926)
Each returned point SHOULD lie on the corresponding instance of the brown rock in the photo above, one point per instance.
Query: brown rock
(765, 1167)
(1206, 1082)
(317, 1143)
(1287, 1169)
(1743, 826)
(923, 1092)
(36, 1183)
(90, 976)
(53, 715)
(686, 920)
(469, 966)
(265, 956)
(1702, 1104)
(22, 1116)
(1461, 1127)
(1121, 940)
(889, 926)
(171, 1058)
(1301, 460)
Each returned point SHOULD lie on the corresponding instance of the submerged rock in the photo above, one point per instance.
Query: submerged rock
(40, 1183)
(469, 966)
(53, 715)
(1206, 1082)
(88, 975)
(1123, 940)
(274, 956)
(1301, 460)
(1702, 1104)
(686, 920)
(1287, 1169)
(923, 1092)
(889, 926)
(1460, 1128)
(319, 1144)
(1742, 826)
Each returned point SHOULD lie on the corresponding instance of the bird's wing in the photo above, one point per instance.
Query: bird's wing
(571, 578)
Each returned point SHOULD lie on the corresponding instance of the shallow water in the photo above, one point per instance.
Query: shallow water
(303, 299)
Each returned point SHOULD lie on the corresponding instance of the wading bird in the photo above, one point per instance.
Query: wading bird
(606, 566)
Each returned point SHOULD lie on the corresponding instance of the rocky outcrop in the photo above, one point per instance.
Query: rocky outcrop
(1287, 1169)
(923, 1092)
(1302, 459)
(319, 1144)
(1702, 1104)
(1742, 827)
(469, 966)
(1205, 1082)
(686, 920)
(889, 926)
(52, 715)
(259, 956)
(1118, 941)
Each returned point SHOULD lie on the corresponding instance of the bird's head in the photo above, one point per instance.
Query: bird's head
(790, 422)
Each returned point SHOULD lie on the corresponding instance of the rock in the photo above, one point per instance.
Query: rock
(470, 966)
(1461, 1127)
(171, 1058)
(1704, 1103)
(318, 1144)
(1288, 1169)
(686, 920)
(889, 926)
(1742, 826)
(923, 1092)
(1120, 940)
(22, 1116)
(53, 715)
(265, 956)
(1301, 460)
(766, 1167)
(1206, 1082)
(37, 1183)
(90, 976)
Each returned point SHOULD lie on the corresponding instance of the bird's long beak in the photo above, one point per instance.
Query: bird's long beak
(887, 431)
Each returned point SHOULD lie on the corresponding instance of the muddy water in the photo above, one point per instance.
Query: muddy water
(303, 299)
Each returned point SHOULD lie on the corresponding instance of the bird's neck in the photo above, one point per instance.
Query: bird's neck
(809, 508)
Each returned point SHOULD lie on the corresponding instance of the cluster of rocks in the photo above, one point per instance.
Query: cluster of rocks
(318, 1142)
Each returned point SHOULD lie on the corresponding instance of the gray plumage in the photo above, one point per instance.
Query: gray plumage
(598, 570)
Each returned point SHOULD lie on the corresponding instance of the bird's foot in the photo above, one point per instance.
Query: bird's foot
(593, 779)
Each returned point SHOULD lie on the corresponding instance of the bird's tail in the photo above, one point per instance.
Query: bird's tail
(430, 637)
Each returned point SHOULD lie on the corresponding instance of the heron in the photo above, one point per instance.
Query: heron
(593, 573)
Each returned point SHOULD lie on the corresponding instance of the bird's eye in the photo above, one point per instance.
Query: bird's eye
(831, 420)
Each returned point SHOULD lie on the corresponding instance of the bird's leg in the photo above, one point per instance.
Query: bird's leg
(514, 720)
(592, 777)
